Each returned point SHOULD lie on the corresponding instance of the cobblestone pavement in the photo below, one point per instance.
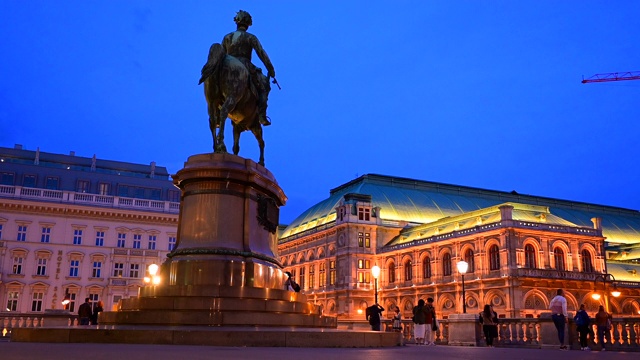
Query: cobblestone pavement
(41, 351)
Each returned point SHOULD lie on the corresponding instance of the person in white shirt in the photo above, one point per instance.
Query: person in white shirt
(558, 307)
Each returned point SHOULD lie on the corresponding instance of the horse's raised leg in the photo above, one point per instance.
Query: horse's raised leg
(257, 132)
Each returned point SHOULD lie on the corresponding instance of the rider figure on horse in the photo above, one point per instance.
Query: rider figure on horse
(240, 44)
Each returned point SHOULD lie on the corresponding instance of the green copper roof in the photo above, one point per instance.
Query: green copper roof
(423, 202)
(469, 220)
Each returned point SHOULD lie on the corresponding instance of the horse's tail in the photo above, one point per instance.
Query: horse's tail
(214, 62)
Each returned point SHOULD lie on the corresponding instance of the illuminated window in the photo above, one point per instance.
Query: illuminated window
(303, 277)
(323, 274)
(332, 272)
(172, 243)
(312, 276)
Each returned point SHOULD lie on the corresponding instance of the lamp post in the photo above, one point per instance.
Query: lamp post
(463, 266)
(66, 300)
(615, 292)
(375, 271)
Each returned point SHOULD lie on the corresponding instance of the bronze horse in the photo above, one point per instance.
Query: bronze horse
(229, 93)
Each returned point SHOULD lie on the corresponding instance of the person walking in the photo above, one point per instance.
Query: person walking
(558, 307)
(603, 323)
(419, 321)
(583, 322)
(489, 320)
(84, 312)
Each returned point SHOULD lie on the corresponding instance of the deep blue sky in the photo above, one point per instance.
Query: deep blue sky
(476, 93)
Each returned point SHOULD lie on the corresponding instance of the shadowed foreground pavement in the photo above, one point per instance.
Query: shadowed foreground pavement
(12, 350)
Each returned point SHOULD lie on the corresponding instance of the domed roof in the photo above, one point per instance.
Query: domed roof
(421, 202)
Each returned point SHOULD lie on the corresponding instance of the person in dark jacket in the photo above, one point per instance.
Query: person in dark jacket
(84, 312)
(603, 321)
(374, 313)
(419, 321)
(489, 320)
(583, 323)
(97, 310)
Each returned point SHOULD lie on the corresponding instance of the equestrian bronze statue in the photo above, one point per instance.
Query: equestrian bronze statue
(235, 88)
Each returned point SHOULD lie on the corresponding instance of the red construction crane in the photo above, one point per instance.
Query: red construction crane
(618, 76)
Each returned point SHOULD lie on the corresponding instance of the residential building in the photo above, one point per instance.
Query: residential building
(81, 226)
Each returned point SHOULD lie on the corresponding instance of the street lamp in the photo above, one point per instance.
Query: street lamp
(154, 279)
(66, 300)
(375, 271)
(463, 266)
(615, 292)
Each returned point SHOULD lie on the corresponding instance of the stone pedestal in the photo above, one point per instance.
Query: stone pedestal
(464, 330)
(229, 213)
(57, 317)
(224, 270)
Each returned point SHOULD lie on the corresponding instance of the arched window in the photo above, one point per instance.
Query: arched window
(392, 272)
(446, 264)
(426, 268)
(494, 257)
(468, 257)
(558, 256)
(587, 265)
(408, 271)
(530, 257)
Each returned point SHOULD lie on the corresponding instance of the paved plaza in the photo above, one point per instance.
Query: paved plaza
(14, 351)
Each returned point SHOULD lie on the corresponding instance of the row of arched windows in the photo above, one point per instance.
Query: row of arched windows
(530, 258)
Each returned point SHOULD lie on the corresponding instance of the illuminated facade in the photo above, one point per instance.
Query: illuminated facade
(520, 249)
(83, 226)
(90, 228)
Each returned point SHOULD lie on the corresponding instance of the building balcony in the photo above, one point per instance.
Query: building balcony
(70, 197)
